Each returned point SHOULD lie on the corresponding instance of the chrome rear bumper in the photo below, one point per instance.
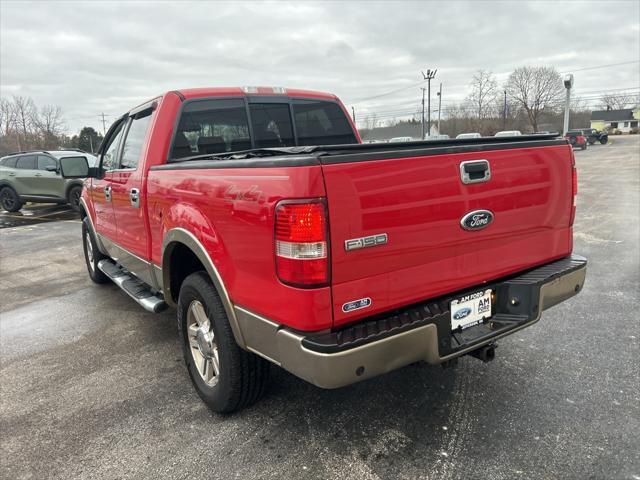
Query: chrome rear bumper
(420, 332)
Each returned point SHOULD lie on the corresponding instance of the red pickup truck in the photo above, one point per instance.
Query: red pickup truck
(279, 238)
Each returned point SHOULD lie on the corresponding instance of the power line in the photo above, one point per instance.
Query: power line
(595, 67)
(391, 92)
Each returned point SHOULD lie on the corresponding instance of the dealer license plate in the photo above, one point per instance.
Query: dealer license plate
(470, 310)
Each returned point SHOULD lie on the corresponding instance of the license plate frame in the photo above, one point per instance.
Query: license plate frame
(472, 309)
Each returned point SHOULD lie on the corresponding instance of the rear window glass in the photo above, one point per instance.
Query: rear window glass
(271, 124)
(212, 126)
(28, 162)
(321, 123)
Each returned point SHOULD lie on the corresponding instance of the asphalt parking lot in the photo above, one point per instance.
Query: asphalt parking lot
(94, 387)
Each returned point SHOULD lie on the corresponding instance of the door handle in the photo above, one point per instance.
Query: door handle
(134, 197)
(12, 174)
(38, 175)
(475, 171)
(107, 193)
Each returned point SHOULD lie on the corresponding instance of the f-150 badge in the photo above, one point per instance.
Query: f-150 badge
(364, 242)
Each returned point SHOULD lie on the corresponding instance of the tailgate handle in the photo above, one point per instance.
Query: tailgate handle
(475, 171)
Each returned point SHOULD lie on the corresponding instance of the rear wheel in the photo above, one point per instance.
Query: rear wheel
(73, 197)
(92, 255)
(583, 146)
(225, 377)
(603, 141)
(10, 200)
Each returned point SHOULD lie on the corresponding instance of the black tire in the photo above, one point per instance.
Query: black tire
(604, 140)
(583, 146)
(73, 197)
(92, 257)
(10, 200)
(242, 377)
(592, 141)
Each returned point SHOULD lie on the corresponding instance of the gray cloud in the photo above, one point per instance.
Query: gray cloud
(94, 57)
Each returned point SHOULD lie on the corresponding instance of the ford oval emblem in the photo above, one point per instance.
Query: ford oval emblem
(462, 313)
(476, 220)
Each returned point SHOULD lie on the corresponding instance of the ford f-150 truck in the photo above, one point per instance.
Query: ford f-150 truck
(281, 239)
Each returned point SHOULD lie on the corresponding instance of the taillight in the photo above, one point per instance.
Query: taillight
(301, 246)
(574, 188)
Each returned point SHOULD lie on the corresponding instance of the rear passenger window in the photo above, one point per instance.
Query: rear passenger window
(134, 141)
(212, 126)
(28, 162)
(321, 123)
(44, 162)
(10, 162)
(271, 124)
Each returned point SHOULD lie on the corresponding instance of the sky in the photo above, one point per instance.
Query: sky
(106, 57)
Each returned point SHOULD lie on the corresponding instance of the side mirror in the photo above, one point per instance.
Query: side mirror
(51, 168)
(76, 167)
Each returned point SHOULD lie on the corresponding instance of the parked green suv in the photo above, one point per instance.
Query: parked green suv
(35, 177)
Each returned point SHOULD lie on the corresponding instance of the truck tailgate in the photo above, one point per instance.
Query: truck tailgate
(419, 201)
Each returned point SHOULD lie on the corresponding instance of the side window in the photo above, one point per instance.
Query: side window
(212, 126)
(134, 141)
(109, 157)
(27, 162)
(45, 161)
(271, 124)
(321, 123)
(10, 162)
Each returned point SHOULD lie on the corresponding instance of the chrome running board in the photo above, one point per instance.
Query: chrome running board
(133, 286)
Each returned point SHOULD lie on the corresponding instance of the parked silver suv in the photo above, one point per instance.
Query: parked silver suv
(35, 177)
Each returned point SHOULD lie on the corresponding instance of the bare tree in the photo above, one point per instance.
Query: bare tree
(25, 112)
(50, 126)
(535, 89)
(484, 88)
(616, 101)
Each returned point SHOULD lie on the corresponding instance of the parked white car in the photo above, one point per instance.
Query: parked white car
(443, 136)
(509, 133)
(401, 139)
(469, 135)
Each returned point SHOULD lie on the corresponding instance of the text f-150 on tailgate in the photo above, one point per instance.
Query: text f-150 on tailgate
(280, 238)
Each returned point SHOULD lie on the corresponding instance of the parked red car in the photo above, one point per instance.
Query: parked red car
(281, 239)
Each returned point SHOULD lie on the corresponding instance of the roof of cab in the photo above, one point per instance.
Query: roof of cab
(189, 93)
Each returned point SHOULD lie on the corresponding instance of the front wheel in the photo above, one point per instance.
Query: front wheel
(583, 146)
(225, 377)
(10, 200)
(603, 141)
(92, 255)
(73, 197)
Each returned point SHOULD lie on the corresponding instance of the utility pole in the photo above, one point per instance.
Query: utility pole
(353, 112)
(423, 89)
(439, 106)
(104, 125)
(428, 76)
(504, 112)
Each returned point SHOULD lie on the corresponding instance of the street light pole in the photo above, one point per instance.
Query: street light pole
(428, 76)
(568, 83)
(504, 112)
(439, 106)
(423, 89)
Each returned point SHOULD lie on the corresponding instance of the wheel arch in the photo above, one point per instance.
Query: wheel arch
(70, 185)
(180, 244)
